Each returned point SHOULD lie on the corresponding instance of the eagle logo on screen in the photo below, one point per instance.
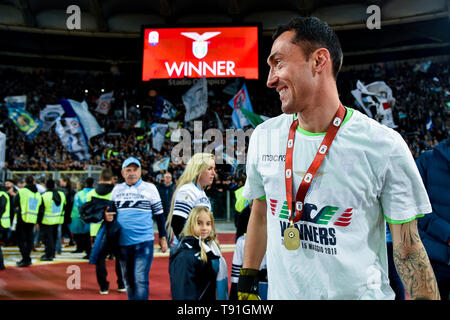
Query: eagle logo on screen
(200, 45)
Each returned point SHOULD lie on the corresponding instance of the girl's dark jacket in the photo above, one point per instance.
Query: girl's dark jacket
(190, 277)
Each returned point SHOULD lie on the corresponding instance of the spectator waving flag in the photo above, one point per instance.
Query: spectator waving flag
(89, 124)
(241, 100)
(104, 103)
(196, 100)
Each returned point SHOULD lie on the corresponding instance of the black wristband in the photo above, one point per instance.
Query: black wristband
(248, 281)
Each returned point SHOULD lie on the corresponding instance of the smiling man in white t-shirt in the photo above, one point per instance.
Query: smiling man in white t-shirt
(324, 179)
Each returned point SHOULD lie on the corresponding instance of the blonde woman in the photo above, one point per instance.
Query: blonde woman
(189, 193)
(194, 264)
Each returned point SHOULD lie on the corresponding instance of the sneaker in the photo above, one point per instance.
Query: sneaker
(122, 290)
(104, 291)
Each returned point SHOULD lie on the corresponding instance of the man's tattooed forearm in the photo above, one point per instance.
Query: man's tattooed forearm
(413, 266)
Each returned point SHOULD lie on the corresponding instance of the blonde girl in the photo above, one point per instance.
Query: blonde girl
(198, 174)
(196, 264)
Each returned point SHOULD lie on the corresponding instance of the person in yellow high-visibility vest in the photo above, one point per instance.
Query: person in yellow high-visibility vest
(103, 191)
(5, 221)
(27, 204)
(54, 202)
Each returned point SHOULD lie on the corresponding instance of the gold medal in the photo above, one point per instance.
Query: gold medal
(291, 238)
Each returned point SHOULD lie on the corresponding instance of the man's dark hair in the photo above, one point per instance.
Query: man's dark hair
(312, 34)
(106, 174)
(29, 180)
(50, 184)
(89, 182)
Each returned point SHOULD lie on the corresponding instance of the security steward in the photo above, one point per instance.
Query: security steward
(27, 204)
(103, 191)
(5, 220)
(54, 203)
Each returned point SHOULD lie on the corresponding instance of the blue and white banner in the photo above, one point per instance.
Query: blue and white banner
(162, 164)
(2, 150)
(24, 121)
(196, 100)
(19, 102)
(158, 134)
(72, 138)
(241, 100)
(88, 122)
(49, 115)
(165, 109)
(104, 103)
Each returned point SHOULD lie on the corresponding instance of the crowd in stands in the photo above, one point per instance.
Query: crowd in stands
(420, 97)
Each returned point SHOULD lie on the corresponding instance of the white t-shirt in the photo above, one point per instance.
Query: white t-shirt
(238, 259)
(367, 177)
(188, 197)
(136, 205)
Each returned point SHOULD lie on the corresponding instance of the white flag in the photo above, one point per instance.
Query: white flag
(49, 115)
(2, 149)
(196, 100)
(158, 134)
(376, 100)
(104, 102)
(87, 120)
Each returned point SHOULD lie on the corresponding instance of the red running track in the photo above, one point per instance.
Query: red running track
(49, 282)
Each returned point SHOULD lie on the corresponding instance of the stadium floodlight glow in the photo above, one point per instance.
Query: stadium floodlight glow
(196, 52)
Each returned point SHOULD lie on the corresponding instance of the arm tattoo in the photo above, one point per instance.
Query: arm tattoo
(412, 264)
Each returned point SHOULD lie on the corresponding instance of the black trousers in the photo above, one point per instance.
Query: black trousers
(83, 242)
(100, 270)
(25, 239)
(48, 235)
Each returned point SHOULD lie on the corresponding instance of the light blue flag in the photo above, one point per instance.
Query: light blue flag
(162, 164)
(241, 100)
(90, 126)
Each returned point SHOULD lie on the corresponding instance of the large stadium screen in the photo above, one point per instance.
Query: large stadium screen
(213, 52)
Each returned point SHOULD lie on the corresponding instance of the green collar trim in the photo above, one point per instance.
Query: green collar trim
(312, 134)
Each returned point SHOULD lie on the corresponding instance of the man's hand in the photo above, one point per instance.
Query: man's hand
(163, 244)
(109, 215)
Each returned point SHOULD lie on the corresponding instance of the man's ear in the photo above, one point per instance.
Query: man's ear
(321, 59)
